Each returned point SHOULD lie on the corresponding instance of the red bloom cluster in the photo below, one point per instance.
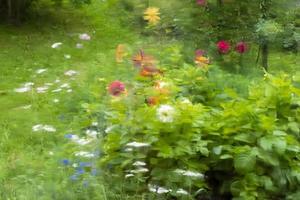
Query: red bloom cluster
(116, 88)
(241, 47)
(224, 47)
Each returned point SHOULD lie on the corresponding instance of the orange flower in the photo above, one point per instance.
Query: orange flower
(202, 61)
(141, 59)
(149, 71)
(120, 53)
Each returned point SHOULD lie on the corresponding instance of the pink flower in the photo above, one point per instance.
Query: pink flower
(116, 88)
(201, 2)
(223, 47)
(241, 47)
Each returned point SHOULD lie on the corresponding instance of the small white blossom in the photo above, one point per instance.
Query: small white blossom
(158, 190)
(129, 175)
(65, 85)
(56, 45)
(28, 84)
(91, 133)
(41, 127)
(40, 71)
(67, 56)
(139, 163)
(137, 144)
(189, 173)
(182, 191)
(84, 36)
(55, 100)
(42, 89)
(139, 170)
(57, 81)
(85, 154)
(165, 113)
(23, 89)
(69, 90)
(95, 124)
(71, 73)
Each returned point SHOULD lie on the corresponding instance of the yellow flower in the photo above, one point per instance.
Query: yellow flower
(152, 15)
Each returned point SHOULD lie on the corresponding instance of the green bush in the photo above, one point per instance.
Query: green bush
(204, 139)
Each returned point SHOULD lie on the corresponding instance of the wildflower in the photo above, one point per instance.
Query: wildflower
(149, 71)
(84, 36)
(139, 170)
(137, 144)
(42, 89)
(24, 88)
(201, 61)
(116, 88)
(71, 73)
(152, 101)
(162, 87)
(56, 45)
(91, 133)
(85, 154)
(223, 47)
(139, 163)
(79, 46)
(152, 15)
(241, 47)
(165, 113)
(40, 71)
(199, 52)
(41, 127)
(158, 190)
(57, 90)
(65, 85)
(201, 2)
(74, 177)
(189, 173)
(55, 100)
(65, 162)
(141, 59)
(67, 56)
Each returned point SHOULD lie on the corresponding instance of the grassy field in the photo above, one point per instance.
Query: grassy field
(30, 162)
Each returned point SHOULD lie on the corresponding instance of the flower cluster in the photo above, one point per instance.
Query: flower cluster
(224, 47)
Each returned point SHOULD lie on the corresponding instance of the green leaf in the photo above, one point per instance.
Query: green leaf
(245, 162)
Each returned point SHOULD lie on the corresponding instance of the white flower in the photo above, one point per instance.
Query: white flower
(49, 84)
(69, 90)
(57, 81)
(28, 84)
(139, 170)
(79, 46)
(40, 71)
(55, 100)
(23, 89)
(182, 191)
(139, 163)
(56, 45)
(57, 90)
(158, 190)
(165, 113)
(42, 89)
(137, 144)
(71, 73)
(65, 85)
(51, 153)
(189, 173)
(84, 154)
(91, 133)
(95, 124)
(84, 36)
(41, 127)
(82, 141)
(129, 175)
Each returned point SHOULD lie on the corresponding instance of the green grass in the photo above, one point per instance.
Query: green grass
(27, 170)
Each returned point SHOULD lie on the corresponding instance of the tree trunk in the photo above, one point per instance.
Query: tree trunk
(265, 54)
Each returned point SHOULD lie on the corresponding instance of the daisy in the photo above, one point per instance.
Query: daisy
(152, 15)
(165, 113)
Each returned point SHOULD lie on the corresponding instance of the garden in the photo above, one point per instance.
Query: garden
(149, 99)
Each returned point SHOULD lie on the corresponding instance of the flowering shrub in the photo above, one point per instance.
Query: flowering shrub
(178, 134)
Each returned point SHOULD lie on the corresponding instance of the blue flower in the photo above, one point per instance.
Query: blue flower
(66, 162)
(69, 136)
(94, 172)
(80, 171)
(85, 164)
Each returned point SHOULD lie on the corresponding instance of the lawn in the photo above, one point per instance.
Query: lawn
(63, 83)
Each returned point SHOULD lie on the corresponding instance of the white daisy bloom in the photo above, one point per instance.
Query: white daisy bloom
(189, 173)
(91, 133)
(139, 170)
(129, 175)
(40, 71)
(84, 154)
(165, 113)
(158, 190)
(56, 45)
(182, 191)
(84, 36)
(42, 89)
(139, 163)
(137, 144)
(71, 73)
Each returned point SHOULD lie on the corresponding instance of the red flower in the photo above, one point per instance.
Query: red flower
(116, 88)
(199, 52)
(152, 101)
(241, 47)
(223, 47)
(201, 2)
